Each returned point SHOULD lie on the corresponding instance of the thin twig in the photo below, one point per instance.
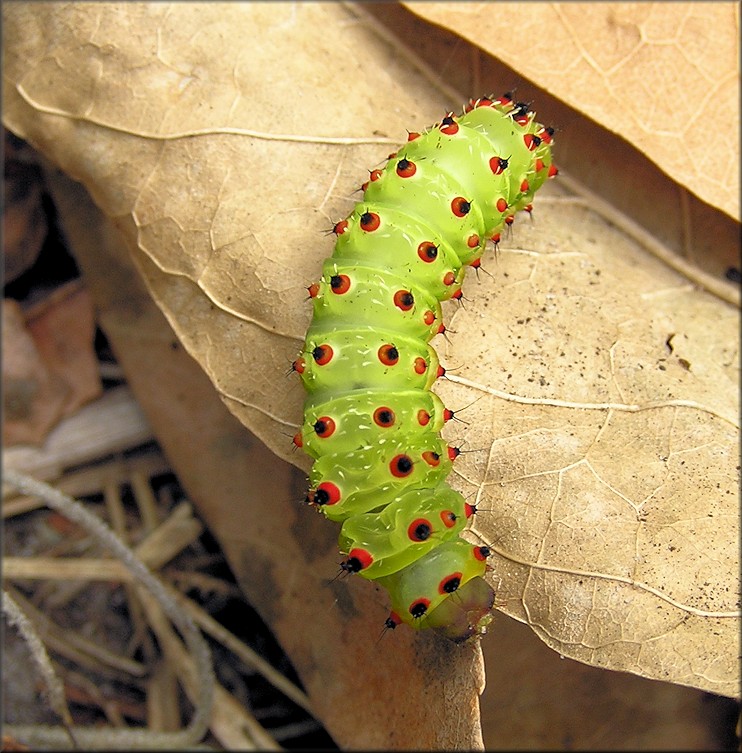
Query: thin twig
(54, 686)
(75, 646)
(117, 517)
(49, 568)
(231, 723)
(203, 697)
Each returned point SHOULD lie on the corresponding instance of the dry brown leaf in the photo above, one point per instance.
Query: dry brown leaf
(627, 65)
(283, 554)
(605, 424)
(563, 705)
(33, 401)
(63, 327)
(49, 369)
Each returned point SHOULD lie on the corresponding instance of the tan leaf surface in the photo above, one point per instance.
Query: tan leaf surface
(627, 65)
(604, 427)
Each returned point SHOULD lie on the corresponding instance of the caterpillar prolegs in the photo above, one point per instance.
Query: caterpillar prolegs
(371, 422)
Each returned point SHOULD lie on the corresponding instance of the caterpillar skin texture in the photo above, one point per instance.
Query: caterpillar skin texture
(371, 422)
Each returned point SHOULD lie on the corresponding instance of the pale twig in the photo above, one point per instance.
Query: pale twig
(86, 481)
(209, 625)
(50, 568)
(203, 583)
(146, 501)
(169, 538)
(163, 711)
(81, 690)
(75, 646)
(54, 686)
(231, 723)
(203, 696)
(117, 517)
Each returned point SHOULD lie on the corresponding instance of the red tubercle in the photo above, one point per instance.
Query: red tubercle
(476, 263)
(429, 317)
(419, 607)
(404, 300)
(449, 126)
(448, 518)
(472, 241)
(324, 427)
(524, 186)
(423, 417)
(433, 459)
(427, 251)
(388, 354)
(340, 284)
(419, 530)
(458, 295)
(505, 99)
(453, 453)
(546, 135)
(469, 510)
(481, 553)
(392, 621)
(358, 559)
(440, 373)
(340, 227)
(460, 206)
(412, 135)
(520, 114)
(313, 290)
(374, 175)
(405, 168)
(448, 414)
(299, 365)
(384, 417)
(421, 365)
(326, 493)
(370, 221)
(531, 141)
(553, 170)
(322, 354)
(501, 205)
(498, 165)
(298, 440)
(450, 583)
(538, 165)
(401, 466)
(449, 278)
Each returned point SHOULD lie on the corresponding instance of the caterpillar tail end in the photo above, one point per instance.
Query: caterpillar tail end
(461, 618)
(466, 614)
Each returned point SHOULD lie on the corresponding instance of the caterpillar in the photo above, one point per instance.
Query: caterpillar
(371, 421)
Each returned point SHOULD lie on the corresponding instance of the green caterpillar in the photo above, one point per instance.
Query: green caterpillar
(371, 421)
